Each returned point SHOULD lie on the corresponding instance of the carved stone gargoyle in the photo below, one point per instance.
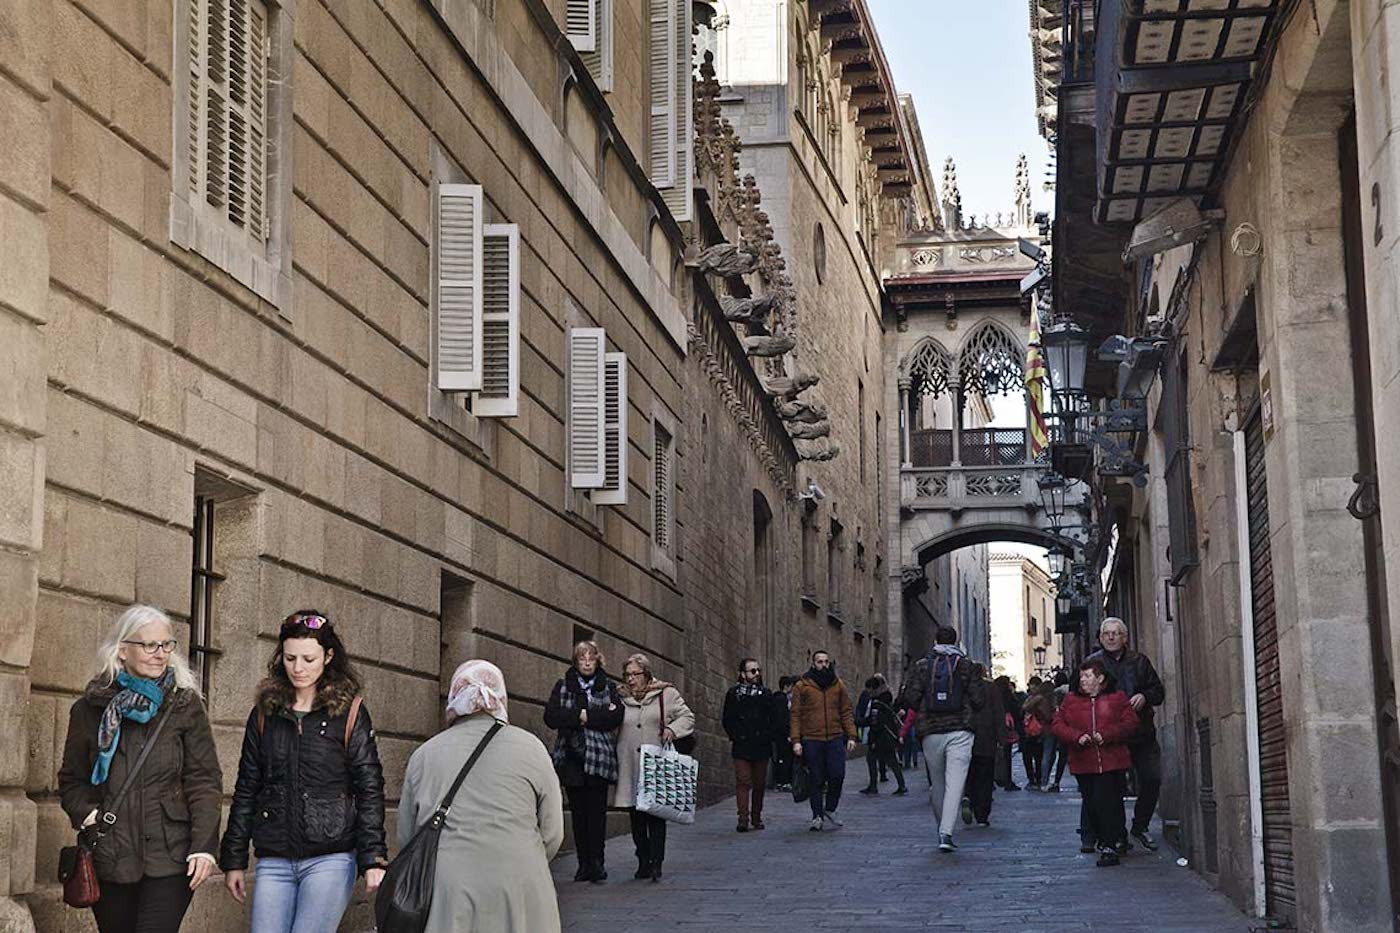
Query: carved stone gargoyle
(809, 431)
(820, 450)
(725, 259)
(747, 311)
(775, 345)
(802, 411)
(789, 387)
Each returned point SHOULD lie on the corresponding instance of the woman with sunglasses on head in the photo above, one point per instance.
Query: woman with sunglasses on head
(310, 791)
(154, 843)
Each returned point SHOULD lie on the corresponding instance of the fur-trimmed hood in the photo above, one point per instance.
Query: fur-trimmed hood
(334, 693)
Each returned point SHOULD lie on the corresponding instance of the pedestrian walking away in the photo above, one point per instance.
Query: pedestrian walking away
(822, 729)
(1134, 676)
(653, 713)
(882, 741)
(158, 845)
(310, 789)
(1095, 723)
(947, 695)
(1032, 730)
(749, 720)
(1012, 715)
(782, 748)
(506, 820)
(1039, 712)
(989, 735)
(585, 708)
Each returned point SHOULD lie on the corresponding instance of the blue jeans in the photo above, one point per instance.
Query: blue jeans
(826, 763)
(306, 895)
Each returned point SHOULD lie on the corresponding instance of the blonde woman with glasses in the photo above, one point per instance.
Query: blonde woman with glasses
(155, 844)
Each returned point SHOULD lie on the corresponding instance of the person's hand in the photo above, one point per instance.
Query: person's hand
(583, 717)
(1098, 738)
(797, 749)
(850, 745)
(233, 880)
(373, 876)
(199, 870)
(1137, 701)
(1084, 739)
(667, 736)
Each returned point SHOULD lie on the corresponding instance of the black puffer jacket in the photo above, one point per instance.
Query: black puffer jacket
(1132, 673)
(751, 722)
(302, 790)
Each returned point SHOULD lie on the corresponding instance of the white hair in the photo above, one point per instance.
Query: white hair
(1113, 620)
(109, 664)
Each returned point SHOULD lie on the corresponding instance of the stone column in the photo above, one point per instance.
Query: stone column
(24, 283)
(906, 451)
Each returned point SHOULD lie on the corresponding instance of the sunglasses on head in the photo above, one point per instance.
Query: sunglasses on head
(306, 620)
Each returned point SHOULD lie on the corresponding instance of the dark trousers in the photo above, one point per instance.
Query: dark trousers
(649, 836)
(980, 777)
(1030, 757)
(151, 905)
(1003, 766)
(1061, 759)
(876, 758)
(1103, 807)
(826, 763)
(588, 807)
(749, 778)
(782, 762)
(1147, 772)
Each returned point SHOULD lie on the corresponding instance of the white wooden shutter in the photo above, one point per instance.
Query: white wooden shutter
(500, 322)
(661, 489)
(194, 98)
(458, 311)
(599, 62)
(581, 24)
(586, 463)
(661, 135)
(678, 195)
(614, 491)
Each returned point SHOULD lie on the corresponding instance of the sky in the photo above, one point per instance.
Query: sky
(968, 66)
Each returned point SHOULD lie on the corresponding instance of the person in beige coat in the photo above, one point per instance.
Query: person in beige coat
(505, 824)
(643, 699)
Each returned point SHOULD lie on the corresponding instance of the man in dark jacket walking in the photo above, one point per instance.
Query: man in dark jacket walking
(782, 751)
(749, 722)
(990, 735)
(882, 739)
(1132, 673)
(946, 696)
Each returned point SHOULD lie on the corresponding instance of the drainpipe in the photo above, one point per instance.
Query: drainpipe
(1251, 688)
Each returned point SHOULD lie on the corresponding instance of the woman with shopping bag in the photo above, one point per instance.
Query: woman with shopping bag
(653, 714)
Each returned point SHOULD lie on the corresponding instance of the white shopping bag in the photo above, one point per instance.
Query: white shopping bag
(666, 784)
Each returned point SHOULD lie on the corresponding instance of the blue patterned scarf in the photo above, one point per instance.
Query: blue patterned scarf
(138, 701)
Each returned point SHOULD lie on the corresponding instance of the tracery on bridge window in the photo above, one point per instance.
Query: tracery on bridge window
(991, 363)
(930, 370)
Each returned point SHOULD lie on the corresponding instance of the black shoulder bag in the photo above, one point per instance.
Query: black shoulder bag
(76, 870)
(406, 893)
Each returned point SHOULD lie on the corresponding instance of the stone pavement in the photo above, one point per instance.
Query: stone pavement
(884, 872)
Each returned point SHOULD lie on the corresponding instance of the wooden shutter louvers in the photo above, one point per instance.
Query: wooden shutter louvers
(459, 296)
(614, 489)
(586, 395)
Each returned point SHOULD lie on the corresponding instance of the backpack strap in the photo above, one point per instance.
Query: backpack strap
(350, 720)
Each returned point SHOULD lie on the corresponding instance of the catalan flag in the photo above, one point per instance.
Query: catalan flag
(1036, 378)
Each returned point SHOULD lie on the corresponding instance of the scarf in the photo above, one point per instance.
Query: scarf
(477, 686)
(823, 679)
(593, 750)
(749, 690)
(139, 700)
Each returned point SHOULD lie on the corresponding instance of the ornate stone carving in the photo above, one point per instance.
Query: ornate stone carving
(987, 254)
(809, 431)
(819, 450)
(801, 411)
(789, 387)
(764, 346)
(927, 256)
(726, 259)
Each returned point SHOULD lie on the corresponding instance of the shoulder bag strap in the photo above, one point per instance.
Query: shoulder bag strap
(109, 816)
(662, 700)
(440, 815)
(350, 720)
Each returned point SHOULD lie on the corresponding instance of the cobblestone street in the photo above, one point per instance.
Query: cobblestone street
(883, 872)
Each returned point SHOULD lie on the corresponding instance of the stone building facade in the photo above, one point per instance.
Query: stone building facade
(242, 386)
(1023, 618)
(1253, 566)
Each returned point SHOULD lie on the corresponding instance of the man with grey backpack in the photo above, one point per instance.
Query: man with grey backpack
(945, 695)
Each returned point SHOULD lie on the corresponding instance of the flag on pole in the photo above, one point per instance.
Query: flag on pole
(1036, 378)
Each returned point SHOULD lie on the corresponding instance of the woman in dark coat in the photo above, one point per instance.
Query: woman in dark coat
(310, 791)
(989, 735)
(883, 739)
(586, 709)
(160, 845)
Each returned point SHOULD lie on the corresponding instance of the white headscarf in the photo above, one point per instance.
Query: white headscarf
(477, 685)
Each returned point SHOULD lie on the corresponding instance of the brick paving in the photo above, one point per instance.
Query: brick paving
(883, 872)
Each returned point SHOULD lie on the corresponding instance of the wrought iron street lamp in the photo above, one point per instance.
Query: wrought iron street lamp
(1066, 346)
(1039, 652)
(1055, 558)
(1052, 496)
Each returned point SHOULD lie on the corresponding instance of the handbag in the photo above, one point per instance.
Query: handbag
(685, 744)
(666, 782)
(801, 781)
(76, 869)
(406, 893)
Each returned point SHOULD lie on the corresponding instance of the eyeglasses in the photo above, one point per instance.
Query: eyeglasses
(310, 621)
(154, 647)
(754, 670)
(631, 673)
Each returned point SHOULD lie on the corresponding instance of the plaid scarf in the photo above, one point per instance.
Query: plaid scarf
(749, 690)
(138, 700)
(594, 749)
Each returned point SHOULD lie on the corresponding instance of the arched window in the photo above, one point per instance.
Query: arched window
(929, 369)
(991, 398)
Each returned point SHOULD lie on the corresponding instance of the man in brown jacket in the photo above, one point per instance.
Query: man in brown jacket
(820, 718)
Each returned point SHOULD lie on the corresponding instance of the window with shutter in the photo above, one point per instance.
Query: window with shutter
(458, 299)
(661, 45)
(678, 195)
(587, 347)
(500, 322)
(599, 61)
(663, 487)
(614, 490)
(581, 23)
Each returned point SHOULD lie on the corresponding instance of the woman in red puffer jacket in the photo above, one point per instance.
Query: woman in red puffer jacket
(1095, 723)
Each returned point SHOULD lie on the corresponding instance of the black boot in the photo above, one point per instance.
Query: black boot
(643, 868)
(600, 874)
(656, 870)
(585, 869)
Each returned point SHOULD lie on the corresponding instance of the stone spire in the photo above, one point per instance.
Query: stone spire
(1023, 192)
(952, 197)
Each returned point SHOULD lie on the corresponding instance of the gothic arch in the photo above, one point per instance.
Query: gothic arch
(991, 360)
(929, 368)
(985, 533)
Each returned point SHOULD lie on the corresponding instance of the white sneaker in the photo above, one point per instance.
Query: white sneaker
(816, 825)
(831, 818)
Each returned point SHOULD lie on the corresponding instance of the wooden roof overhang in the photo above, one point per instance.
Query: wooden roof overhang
(955, 291)
(855, 50)
(1172, 80)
